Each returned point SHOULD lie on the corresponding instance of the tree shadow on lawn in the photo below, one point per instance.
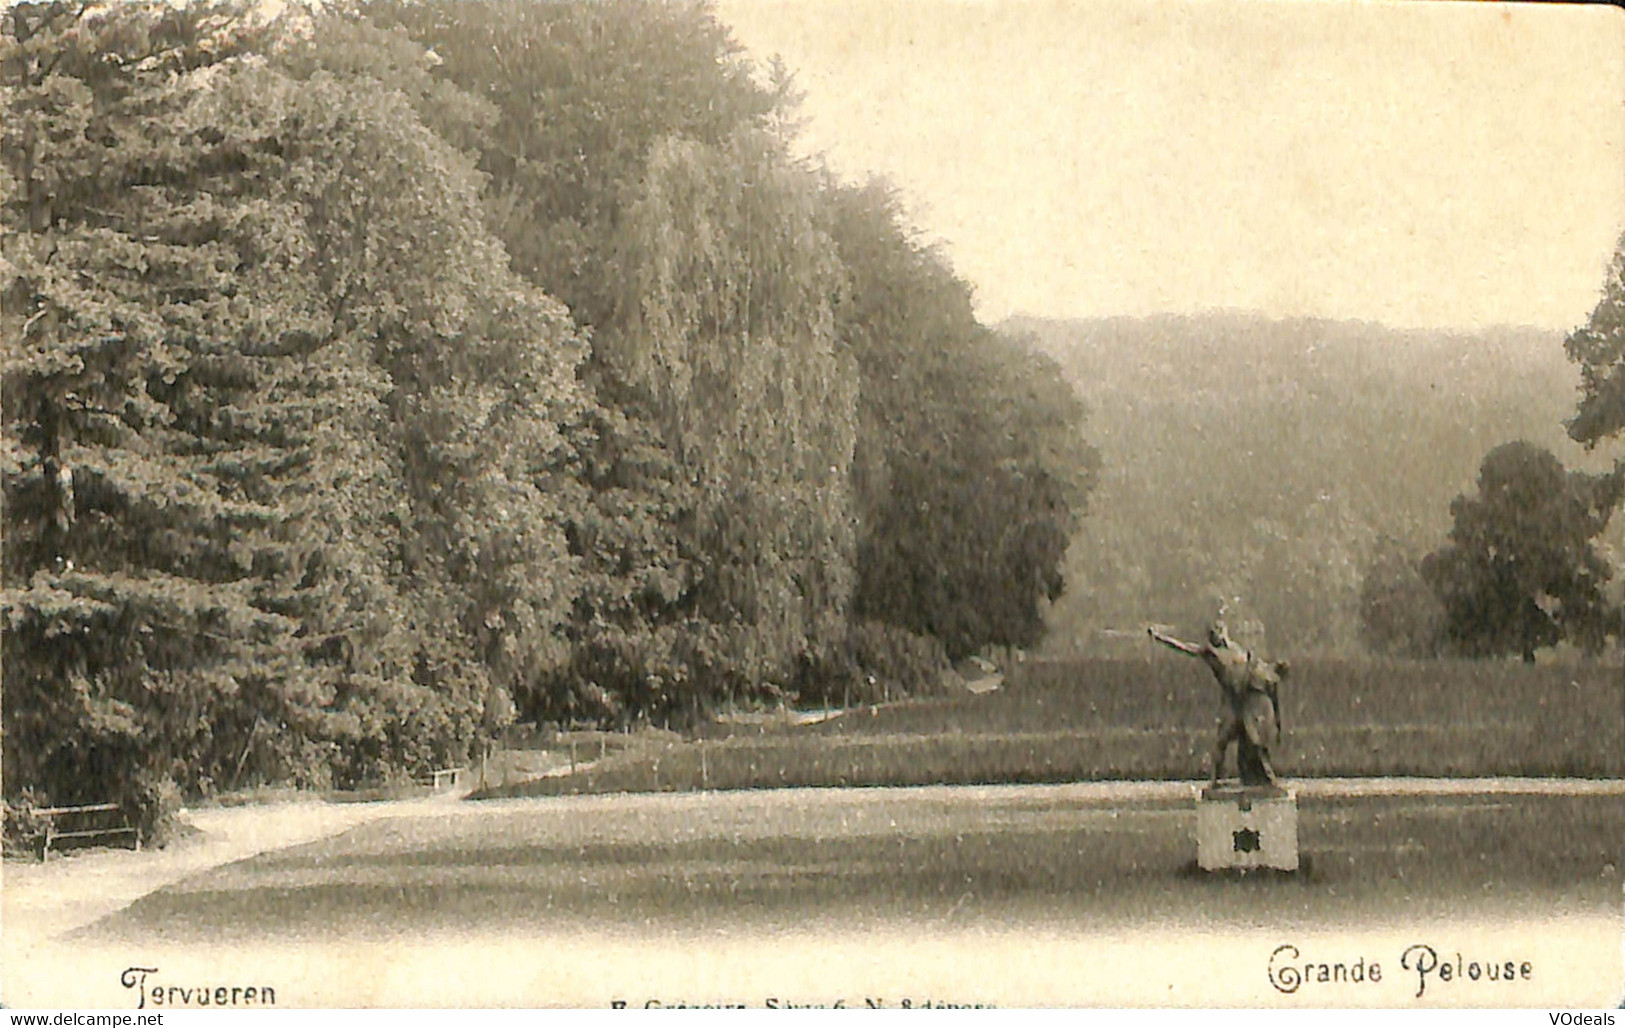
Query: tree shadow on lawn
(1369, 860)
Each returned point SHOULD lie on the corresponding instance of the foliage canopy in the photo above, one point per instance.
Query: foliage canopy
(1599, 348)
(1520, 571)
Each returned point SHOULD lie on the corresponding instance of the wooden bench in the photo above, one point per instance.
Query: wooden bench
(92, 821)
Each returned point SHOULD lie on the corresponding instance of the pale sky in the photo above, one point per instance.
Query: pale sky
(1417, 164)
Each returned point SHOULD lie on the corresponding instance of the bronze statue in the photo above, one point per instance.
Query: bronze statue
(1252, 694)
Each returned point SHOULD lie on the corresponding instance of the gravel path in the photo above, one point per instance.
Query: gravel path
(39, 902)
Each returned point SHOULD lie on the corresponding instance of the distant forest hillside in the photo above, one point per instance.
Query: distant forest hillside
(1268, 460)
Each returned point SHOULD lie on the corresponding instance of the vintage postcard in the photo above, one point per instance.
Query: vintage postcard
(812, 503)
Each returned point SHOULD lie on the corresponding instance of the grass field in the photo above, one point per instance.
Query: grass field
(1013, 894)
(1153, 719)
(772, 861)
(1078, 894)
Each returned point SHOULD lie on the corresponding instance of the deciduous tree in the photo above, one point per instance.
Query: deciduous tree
(1599, 348)
(972, 467)
(1399, 614)
(1520, 571)
(726, 322)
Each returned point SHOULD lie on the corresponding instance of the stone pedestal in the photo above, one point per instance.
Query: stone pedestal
(1244, 828)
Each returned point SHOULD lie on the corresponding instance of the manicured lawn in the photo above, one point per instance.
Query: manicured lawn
(780, 860)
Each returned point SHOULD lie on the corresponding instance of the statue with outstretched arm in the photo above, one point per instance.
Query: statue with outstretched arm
(1251, 689)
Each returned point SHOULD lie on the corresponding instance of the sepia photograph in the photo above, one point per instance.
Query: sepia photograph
(845, 504)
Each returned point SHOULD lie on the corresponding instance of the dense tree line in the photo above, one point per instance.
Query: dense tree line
(373, 374)
(971, 462)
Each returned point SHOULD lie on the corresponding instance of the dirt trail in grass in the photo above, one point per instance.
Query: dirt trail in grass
(40, 902)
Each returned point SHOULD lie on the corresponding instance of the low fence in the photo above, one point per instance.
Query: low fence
(445, 779)
(84, 824)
